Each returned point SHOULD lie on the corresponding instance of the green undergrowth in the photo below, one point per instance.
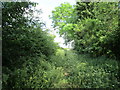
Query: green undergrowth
(65, 69)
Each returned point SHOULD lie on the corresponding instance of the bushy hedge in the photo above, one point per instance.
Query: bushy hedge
(23, 36)
(25, 44)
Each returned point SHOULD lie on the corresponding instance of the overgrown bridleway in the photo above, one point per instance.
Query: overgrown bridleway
(65, 69)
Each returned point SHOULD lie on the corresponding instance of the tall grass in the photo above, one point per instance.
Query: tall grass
(66, 69)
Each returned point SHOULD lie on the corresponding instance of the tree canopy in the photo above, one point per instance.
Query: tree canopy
(92, 26)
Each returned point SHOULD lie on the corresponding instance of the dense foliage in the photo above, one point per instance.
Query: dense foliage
(92, 26)
(66, 71)
(20, 36)
(23, 38)
(31, 58)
